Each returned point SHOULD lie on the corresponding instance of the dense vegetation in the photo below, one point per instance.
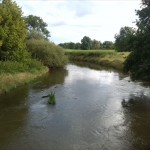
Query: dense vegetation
(13, 32)
(16, 31)
(88, 44)
(138, 62)
(24, 46)
(125, 39)
(48, 53)
(106, 58)
(37, 25)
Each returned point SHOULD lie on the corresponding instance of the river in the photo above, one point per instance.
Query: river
(96, 109)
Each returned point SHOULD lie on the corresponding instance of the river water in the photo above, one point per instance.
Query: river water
(95, 110)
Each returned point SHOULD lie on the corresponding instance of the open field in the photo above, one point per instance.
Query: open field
(108, 58)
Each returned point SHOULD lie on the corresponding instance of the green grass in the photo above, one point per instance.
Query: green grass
(52, 99)
(108, 58)
(12, 67)
(14, 74)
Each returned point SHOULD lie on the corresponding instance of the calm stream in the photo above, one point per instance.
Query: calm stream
(95, 110)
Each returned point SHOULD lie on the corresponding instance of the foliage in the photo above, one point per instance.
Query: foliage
(12, 32)
(70, 45)
(11, 67)
(52, 99)
(11, 79)
(108, 45)
(107, 58)
(138, 62)
(33, 34)
(48, 53)
(125, 39)
(96, 44)
(35, 23)
(86, 43)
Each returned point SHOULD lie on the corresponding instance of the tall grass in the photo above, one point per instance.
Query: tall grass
(13, 74)
(108, 58)
(11, 67)
(48, 53)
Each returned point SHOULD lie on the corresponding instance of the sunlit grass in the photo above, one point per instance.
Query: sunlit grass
(109, 58)
(13, 74)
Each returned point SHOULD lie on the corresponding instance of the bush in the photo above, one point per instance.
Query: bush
(48, 53)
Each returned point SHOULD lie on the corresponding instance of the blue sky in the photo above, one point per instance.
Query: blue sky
(70, 20)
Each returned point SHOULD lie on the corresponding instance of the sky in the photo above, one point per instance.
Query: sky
(71, 20)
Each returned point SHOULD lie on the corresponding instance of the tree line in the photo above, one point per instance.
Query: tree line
(124, 41)
(87, 44)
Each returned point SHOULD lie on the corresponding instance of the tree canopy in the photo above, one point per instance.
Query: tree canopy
(125, 39)
(86, 43)
(108, 45)
(12, 31)
(36, 24)
(138, 62)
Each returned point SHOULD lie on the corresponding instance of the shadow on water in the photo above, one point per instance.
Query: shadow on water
(137, 118)
(53, 77)
(13, 114)
(92, 66)
(16, 111)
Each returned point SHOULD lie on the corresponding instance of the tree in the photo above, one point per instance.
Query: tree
(35, 35)
(70, 45)
(125, 39)
(86, 43)
(96, 44)
(12, 32)
(108, 45)
(138, 62)
(77, 46)
(36, 24)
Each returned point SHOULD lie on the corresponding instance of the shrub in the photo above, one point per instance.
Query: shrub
(11, 67)
(48, 53)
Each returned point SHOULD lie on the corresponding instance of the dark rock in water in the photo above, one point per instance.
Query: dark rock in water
(45, 96)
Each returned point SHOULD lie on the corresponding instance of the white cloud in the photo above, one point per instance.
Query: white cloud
(71, 20)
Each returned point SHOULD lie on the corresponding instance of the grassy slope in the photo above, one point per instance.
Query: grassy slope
(14, 74)
(108, 58)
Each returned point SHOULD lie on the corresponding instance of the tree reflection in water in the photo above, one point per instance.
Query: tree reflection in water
(137, 117)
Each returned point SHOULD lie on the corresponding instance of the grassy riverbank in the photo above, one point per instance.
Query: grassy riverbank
(14, 74)
(107, 58)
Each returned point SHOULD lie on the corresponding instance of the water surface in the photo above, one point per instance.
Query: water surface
(95, 109)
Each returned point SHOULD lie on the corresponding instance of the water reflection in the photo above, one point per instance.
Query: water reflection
(137, 118)
(53, 77)
(95, 109)
(13, 115)
(97, 67)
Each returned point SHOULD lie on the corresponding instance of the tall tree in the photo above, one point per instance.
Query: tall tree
(108, 45)
(37, 24)
(96, 44)
(86, 43)
(12, 31)
(125, 39)
(138, 62)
